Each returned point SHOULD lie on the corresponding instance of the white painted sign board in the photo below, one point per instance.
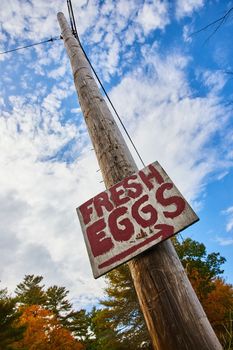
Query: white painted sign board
(137, 213)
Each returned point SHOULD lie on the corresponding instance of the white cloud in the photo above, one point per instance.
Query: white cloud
(224, 241)
(187, 7)
(47, 168)
(105, 23)
(30, 20)
(125, 8)
(187, 31)
(214, 80)
(153, 15)
(161, 103)
(229, 213)
(2, 103)
(40, 231)
(87, 13)
(222, 175)
(76, 110)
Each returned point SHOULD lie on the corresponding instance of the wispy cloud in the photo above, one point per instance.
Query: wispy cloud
(224, 241)
(47, 166)
(161, 103)
(229, 214)
(213, 80)
(187, 7)
(39, 226)
(153, 15)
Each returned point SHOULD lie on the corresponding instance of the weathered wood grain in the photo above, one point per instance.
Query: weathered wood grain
(174, 316)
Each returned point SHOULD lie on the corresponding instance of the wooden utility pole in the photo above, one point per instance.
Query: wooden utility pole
(173, 313)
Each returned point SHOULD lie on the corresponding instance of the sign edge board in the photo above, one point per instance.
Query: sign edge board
(96, 271)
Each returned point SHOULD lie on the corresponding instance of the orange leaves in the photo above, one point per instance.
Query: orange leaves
(37, 320)
(218, 305)
(44, 332)
(216, 297)
(61, 338)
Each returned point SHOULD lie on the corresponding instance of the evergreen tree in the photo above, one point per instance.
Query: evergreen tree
(121, 309)
(201, 268)
(57, 302)
(79, 324)
(9, 316)
(30, 291)
(76, 322)
(103, 335)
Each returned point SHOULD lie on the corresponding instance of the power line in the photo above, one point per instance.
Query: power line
(27, 46)
(219, 22)
(75, 33)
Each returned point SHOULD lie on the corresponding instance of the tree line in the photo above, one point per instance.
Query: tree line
(42, 318)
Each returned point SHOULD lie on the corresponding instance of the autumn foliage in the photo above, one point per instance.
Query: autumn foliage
(122, 312)
(40, 318)
(218, 306)
(44, 332)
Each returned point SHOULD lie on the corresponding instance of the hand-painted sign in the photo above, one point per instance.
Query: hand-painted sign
(135, 214)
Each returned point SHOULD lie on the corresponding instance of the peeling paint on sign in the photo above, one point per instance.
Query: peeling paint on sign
(137, 213)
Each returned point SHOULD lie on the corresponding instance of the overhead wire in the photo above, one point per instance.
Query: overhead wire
(30, 45)
(75, 33)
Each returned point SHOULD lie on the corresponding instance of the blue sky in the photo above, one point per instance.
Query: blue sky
(171, 89)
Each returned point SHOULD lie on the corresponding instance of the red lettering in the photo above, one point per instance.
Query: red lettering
(119, 234)
(147, 209)
(116, 194)
(166, 231)
(99, 243)
(153, 174)
(86, 210)
(134, 189)
(177, 201)
(102, 200)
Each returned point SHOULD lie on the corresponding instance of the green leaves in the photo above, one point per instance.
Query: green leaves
(119, 324)
(201, 268)
(32, 292)
(122, 311)
(9, 316)
(52, 302)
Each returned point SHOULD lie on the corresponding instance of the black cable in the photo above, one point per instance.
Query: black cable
(75, 33)
(25, 47)
(71, 16)
(220, 21)
(72, 19)
(115, 111)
